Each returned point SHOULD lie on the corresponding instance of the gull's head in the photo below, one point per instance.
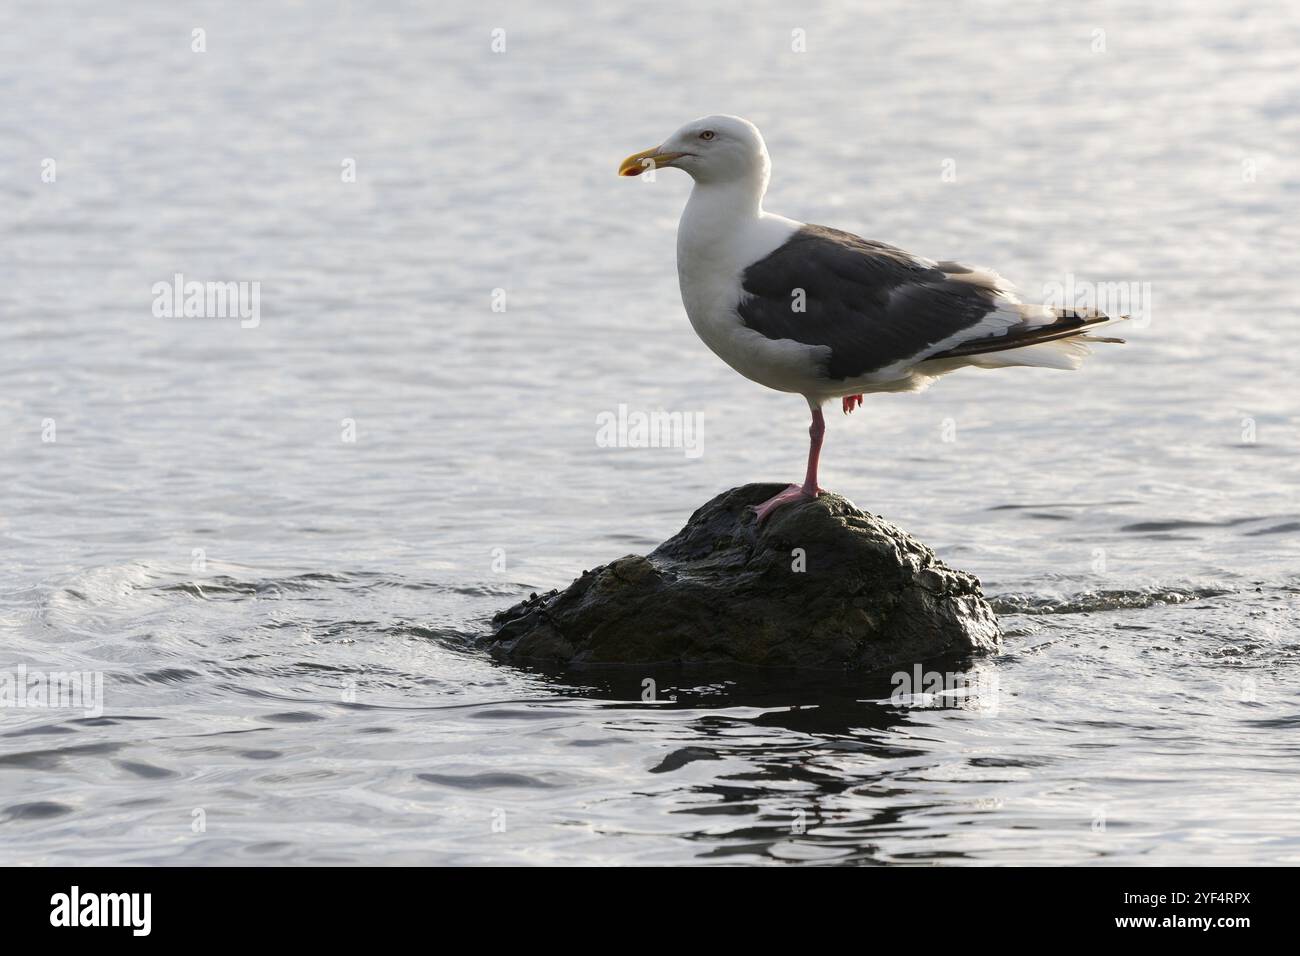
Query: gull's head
(712, 149)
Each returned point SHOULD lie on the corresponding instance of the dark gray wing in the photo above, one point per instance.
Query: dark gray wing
(873, 304)
(870, 303)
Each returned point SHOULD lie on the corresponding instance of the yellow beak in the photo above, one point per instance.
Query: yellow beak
(651, 158)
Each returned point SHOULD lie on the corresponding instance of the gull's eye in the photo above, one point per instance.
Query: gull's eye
(707, 135)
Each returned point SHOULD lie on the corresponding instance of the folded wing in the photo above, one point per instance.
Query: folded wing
(875, 307)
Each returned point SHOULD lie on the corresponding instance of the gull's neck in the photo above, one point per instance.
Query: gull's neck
(718, 210)
(725, 227)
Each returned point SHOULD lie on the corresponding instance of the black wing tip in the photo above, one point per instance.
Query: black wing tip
(1068, 325)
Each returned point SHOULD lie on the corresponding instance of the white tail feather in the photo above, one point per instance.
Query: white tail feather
(1061, 353)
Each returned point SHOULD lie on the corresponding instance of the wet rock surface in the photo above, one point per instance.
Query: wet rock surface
(820, 585)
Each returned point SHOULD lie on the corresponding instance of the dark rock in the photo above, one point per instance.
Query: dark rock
(724, 590)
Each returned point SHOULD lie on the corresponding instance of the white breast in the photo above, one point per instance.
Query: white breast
(714, 246)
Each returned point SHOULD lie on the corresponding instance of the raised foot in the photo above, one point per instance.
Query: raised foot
(792, 493)
(850, 402)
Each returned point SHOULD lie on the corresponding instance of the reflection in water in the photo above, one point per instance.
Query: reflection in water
(788, 736)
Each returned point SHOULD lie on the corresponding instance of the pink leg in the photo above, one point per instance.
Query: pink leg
(850, 402)
(816, 431)
(810, 488)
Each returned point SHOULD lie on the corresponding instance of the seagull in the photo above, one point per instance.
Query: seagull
(825, 314)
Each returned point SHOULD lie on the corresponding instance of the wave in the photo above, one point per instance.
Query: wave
(1086, 602)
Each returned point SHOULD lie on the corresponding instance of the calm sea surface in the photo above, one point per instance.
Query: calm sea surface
(277, 545)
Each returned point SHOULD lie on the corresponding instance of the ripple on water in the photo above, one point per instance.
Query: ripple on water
(146, 771)
(39, 810)
(490, 781)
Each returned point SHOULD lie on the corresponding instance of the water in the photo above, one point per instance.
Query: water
(285, 620)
